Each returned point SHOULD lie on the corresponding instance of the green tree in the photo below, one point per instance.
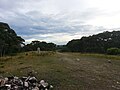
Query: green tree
(113, 51)
(42, 45)
(98, 43)
(9, 41)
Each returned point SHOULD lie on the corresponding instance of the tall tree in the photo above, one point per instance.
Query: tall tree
(9, 41)
(98, 43)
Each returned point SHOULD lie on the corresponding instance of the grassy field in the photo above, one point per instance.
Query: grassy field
(66, 71)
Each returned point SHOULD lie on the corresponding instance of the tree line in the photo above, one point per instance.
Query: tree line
(106, 42)
(44, 46)
(99, 43)
(11, 43)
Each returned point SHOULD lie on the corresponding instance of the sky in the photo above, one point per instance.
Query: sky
(60, 21)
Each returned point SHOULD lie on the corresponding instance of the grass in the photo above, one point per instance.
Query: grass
(66, 71)
(115, 57)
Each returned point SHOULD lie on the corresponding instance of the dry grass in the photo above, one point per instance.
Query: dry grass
(67, 71)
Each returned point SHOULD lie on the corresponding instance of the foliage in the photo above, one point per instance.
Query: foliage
(62, 48)
(113, 51)
(42, 45)
(96, 43)
(9, 41)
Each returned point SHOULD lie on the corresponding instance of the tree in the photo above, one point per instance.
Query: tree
(98, 43)
(113, 51)
(43, 46)
(9, 41)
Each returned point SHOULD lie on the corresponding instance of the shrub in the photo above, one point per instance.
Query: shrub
(113, 51)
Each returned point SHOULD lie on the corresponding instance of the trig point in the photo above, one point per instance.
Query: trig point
(38, 50)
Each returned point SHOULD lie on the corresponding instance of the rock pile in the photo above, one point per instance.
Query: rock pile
(23, 83)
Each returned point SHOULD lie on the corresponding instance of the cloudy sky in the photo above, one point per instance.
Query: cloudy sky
(60, 21)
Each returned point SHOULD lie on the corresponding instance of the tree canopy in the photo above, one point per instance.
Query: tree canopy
(9, 41)
(98, 43)
(42, 45)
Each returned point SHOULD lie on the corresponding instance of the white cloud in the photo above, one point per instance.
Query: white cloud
(69, 19)
(59, 38)
(63, 37)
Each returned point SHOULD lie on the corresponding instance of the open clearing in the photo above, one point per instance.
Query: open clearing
(66, 71)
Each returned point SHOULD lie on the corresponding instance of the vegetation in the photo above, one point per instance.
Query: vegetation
(11, 44)
(113, 51)
(42, 45)
(96, 43)
(9, 41)
(66, 71)
(106, 42)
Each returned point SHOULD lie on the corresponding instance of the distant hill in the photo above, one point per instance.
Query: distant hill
(9, 41)
(98, 43)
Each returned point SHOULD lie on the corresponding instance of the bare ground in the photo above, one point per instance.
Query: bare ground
(66, 71)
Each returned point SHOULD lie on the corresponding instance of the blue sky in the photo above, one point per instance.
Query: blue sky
(60, 21)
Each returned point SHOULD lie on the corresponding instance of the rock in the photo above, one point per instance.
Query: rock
(36, 88)
(118, 82)
(109, 61)
(24, 83)
(77, 59)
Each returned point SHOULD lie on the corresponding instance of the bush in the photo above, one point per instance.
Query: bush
(113, 51)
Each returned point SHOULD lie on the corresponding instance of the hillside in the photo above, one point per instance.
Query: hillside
(98, 43)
